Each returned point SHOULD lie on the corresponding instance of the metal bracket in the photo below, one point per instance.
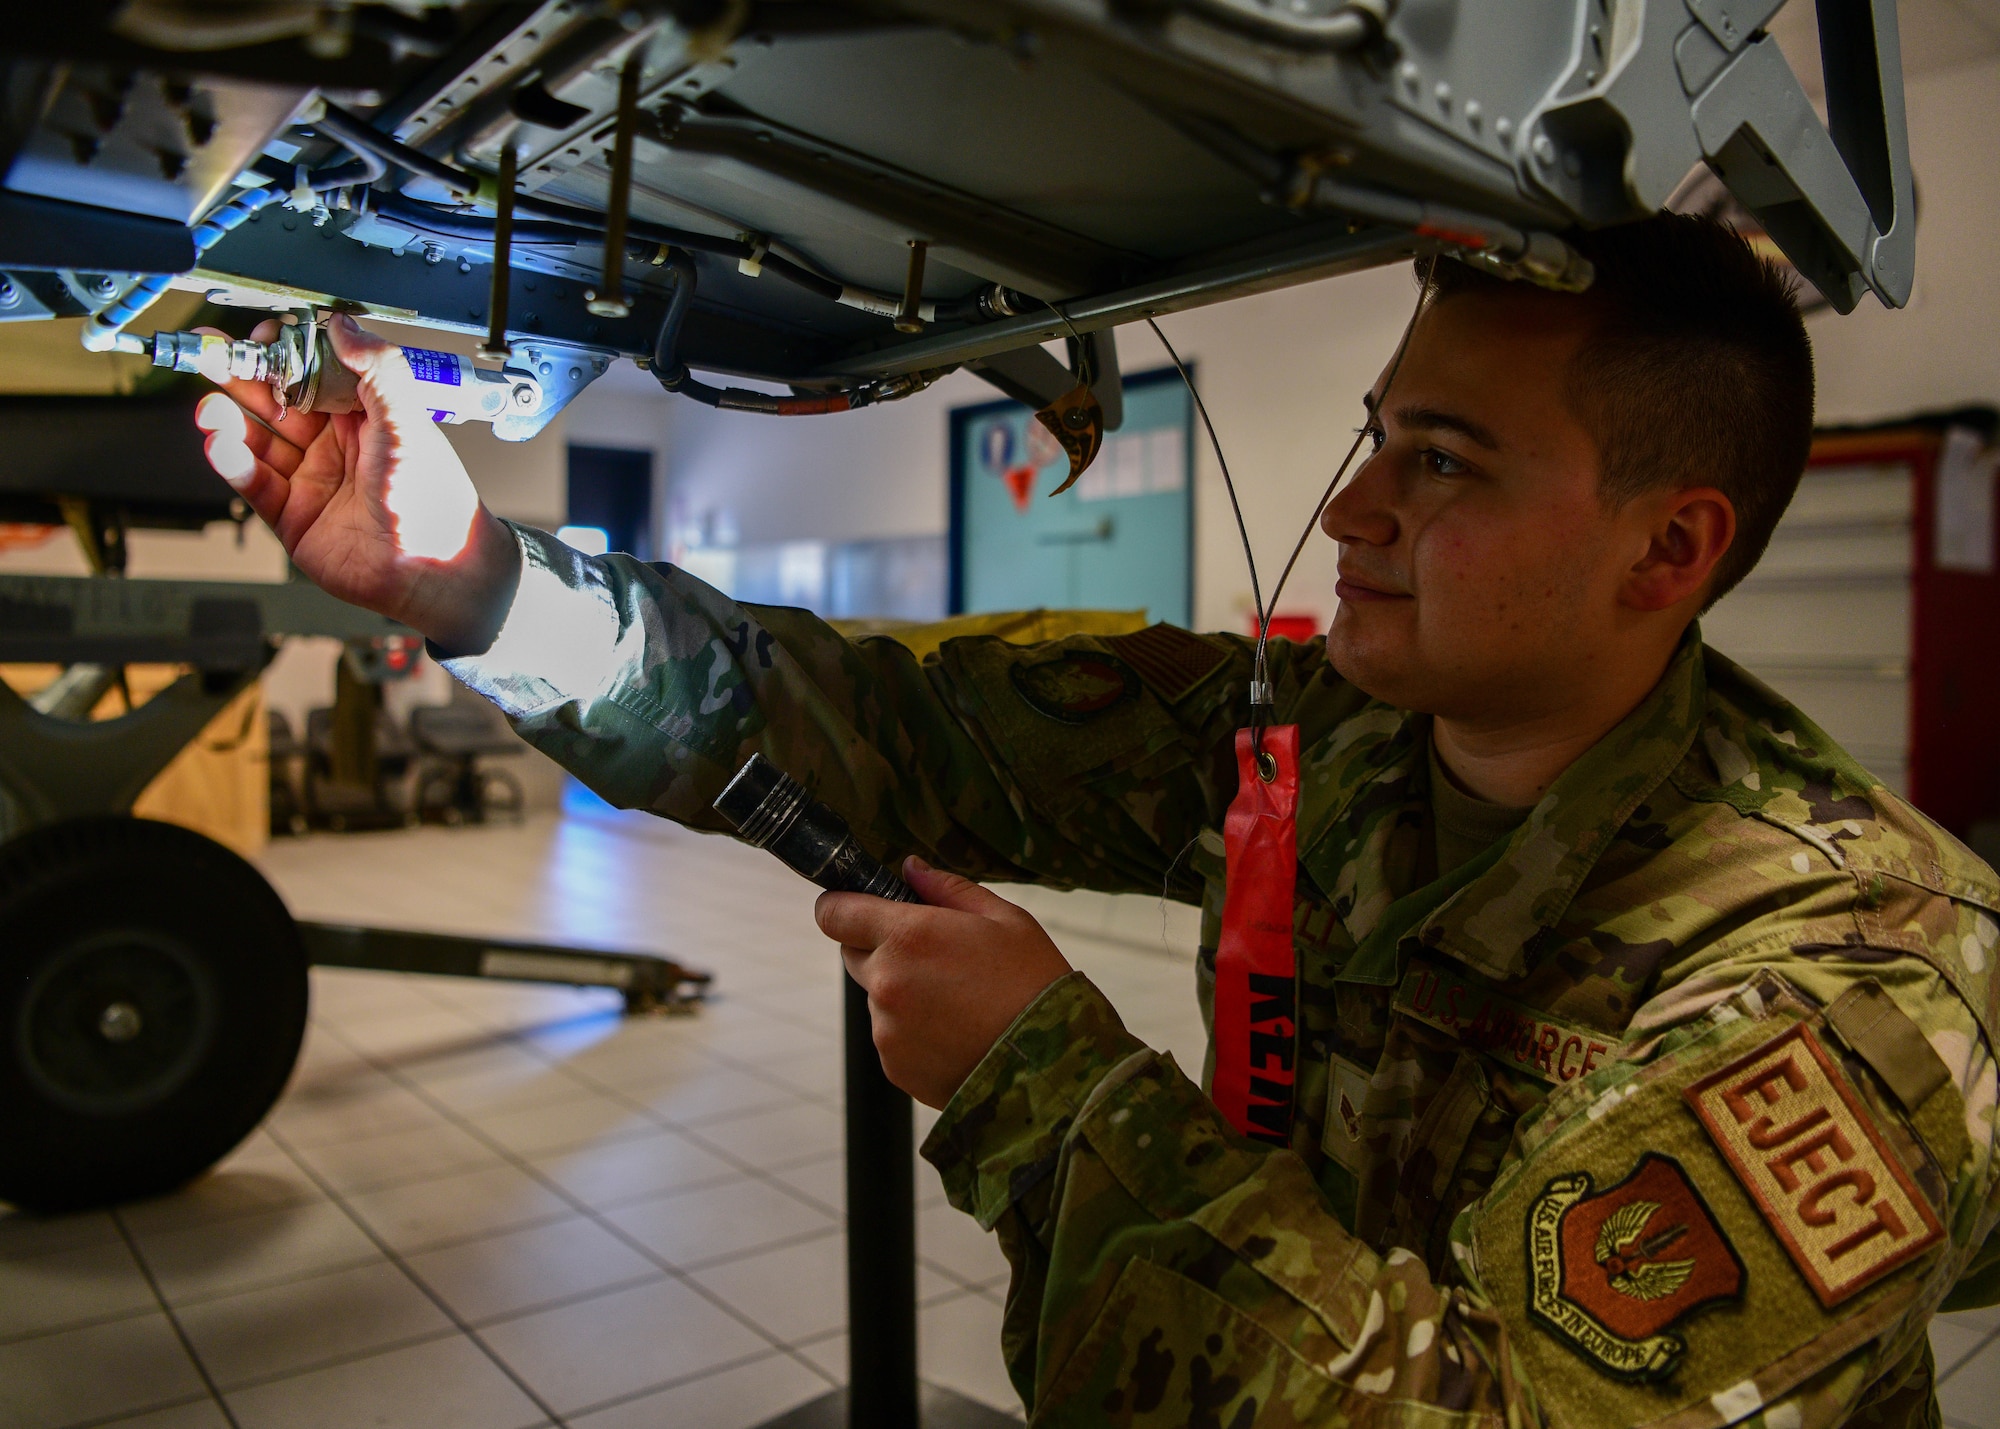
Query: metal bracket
(561, 371)
(1838, 199)
(1031, 376)
(1027, 374)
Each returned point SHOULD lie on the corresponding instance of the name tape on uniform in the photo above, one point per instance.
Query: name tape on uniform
(1812, 1159)
(1516, 1034)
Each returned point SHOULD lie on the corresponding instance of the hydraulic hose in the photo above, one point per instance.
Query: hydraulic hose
(672, 373)
(362, 170)
(103, 330)
(430, 218)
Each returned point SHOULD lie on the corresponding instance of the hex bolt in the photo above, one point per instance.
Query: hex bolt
(433, 253)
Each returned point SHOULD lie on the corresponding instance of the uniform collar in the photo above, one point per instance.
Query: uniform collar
(1362, 796)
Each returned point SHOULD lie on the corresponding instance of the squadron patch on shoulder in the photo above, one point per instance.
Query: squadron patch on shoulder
(1074, 688)
(1610, 1272)
(1811, 1157)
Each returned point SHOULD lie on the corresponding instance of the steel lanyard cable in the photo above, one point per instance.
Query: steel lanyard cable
(1254, 1027)
(1262, 696)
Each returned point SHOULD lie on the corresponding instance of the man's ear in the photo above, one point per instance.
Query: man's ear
(1688, 533)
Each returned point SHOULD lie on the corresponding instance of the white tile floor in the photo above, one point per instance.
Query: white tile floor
(493, 1206)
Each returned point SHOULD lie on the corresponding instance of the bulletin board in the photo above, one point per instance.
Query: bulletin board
(1122, 538)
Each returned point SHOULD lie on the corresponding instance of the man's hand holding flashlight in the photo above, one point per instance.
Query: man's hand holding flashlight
(944, 978)
(373, 506)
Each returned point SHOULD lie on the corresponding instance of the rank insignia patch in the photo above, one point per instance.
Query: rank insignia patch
(1611, 1271)
(1346, 1093)
(1074, 688)
(1812, 1159)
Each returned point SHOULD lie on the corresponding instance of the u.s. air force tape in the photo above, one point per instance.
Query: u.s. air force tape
(1517, 1035)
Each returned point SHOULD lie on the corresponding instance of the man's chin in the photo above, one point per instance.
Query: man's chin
(1373, 660)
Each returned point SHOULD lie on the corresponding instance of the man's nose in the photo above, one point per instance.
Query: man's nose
(1360, 512)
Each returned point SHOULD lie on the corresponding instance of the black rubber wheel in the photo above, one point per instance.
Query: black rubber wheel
(152, 1000)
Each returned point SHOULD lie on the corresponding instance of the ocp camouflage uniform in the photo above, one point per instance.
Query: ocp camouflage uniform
(1674, 1107)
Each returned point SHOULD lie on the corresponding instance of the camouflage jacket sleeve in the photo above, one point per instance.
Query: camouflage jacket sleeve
(653, 688)
(1168, 1271)
(1747, 1217)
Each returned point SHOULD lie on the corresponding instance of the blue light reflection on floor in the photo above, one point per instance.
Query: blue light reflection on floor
(585, 890)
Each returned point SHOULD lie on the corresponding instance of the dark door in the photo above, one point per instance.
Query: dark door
(611, 488)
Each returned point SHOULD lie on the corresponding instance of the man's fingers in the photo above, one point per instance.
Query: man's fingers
(948, 890)
(857, 920)
(858, 965)
(254, 479)
(257, 398)
(359, 349)
(220, 414)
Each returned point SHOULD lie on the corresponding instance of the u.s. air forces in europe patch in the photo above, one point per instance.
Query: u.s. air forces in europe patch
(1611, 1271)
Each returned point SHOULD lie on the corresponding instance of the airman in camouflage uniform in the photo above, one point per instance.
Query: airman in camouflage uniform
(1483, 1060)
(1673, 1105)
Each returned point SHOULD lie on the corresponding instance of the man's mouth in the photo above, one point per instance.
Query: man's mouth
(1360, 590)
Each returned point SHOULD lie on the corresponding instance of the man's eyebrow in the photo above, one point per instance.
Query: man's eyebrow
(1436, 419)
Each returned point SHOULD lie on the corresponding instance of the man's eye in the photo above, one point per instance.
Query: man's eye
(1443, 463)
(1374, 437)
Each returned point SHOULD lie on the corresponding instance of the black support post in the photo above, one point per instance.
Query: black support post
(881, 1233)
(882, 1392)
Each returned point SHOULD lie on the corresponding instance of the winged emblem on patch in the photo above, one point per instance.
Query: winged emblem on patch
(1614, 1271)
(1349, 1118)
(1628, 1260)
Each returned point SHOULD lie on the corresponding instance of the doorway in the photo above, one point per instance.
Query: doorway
(611, 490)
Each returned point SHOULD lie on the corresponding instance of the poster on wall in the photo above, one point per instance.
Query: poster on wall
(1120, 539)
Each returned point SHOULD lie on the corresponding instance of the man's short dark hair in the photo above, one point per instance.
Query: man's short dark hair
(1697, 371)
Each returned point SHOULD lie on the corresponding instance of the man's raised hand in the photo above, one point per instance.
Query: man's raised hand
(944, 978)
(373, 506)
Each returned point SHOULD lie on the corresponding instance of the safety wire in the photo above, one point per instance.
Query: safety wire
(1261, 694)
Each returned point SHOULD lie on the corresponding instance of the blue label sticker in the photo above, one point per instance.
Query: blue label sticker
(428, 366)
(437, 416)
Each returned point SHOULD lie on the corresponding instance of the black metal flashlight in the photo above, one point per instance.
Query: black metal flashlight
(772, 810)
